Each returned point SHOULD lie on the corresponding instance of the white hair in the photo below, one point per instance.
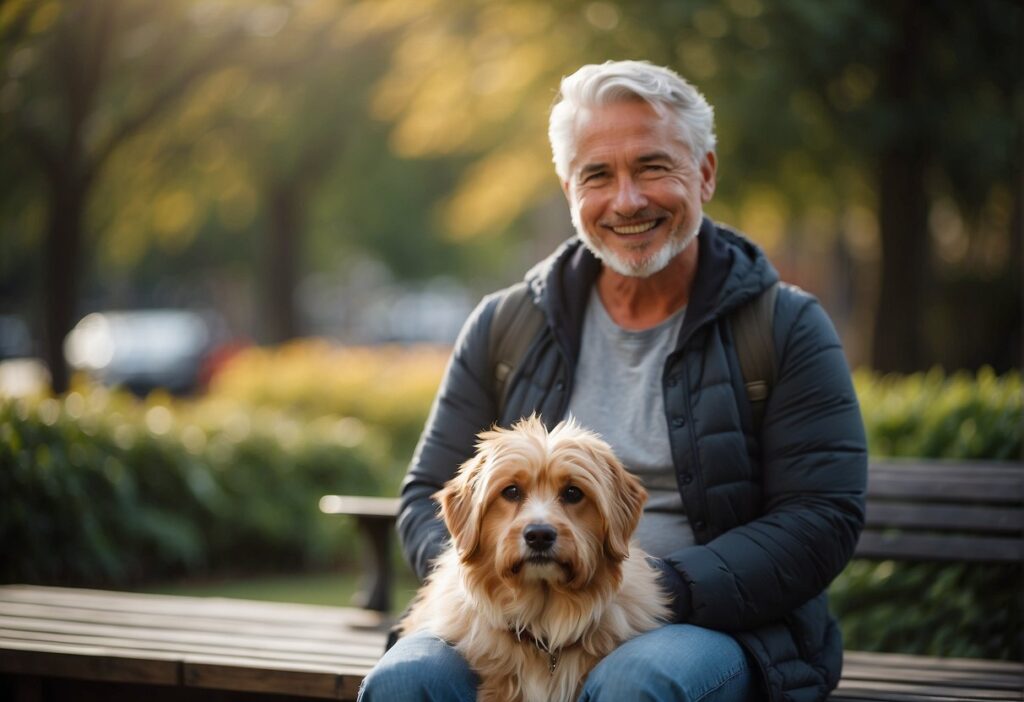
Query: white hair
(665, 90)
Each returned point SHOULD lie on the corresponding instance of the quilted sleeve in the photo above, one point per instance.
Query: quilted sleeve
(463, 407)
(814, 477)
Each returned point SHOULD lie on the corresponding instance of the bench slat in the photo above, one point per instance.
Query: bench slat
(218, 608)
(87, 663)
(894, 690)
(980, 666)
(1007, 489)
(180, 628)
(982, 470)
(945, 548)
(945, 517)
(143, 647)
(931, 674)
(238, 673)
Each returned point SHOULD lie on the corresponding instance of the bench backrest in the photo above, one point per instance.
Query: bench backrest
(917, 510)
(944, 511)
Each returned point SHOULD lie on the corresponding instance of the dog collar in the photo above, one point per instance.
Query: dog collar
(542, 646)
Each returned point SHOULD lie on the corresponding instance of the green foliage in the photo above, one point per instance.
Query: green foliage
(969, 610)
(930, 415)
(388, 387)
(959, 610)
(100, 489)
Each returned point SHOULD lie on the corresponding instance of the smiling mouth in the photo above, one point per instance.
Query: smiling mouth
(638, 228)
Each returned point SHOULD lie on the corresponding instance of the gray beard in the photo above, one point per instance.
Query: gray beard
(646, 267)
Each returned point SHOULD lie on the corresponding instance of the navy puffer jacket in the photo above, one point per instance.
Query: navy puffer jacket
(776, 516)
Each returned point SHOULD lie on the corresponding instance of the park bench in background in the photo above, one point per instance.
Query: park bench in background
(89, 645)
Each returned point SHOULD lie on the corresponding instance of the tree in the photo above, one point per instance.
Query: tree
(81, 80)
(922, 98)
(318, 74)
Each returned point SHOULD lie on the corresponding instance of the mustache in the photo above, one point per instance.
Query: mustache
(644, 215)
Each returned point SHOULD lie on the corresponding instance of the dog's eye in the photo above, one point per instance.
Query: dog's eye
(571, 495)
(511, 493)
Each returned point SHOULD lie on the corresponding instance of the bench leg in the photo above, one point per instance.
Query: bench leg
(375, 592)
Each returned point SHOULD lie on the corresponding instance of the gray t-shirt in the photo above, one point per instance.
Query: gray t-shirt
(617, 392)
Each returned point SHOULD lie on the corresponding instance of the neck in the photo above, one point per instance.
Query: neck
(641, 303)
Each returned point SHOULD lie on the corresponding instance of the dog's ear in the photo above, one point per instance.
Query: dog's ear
(625, 505)
(458, 508)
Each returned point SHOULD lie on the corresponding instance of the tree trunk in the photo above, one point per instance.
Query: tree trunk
(897, 342)
(61, 273)
(283, 246)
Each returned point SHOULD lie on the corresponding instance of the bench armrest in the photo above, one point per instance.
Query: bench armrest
(375, 519)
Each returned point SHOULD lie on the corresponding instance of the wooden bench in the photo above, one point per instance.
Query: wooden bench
(91, 645)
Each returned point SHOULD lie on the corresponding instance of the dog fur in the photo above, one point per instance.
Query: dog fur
(532, 620)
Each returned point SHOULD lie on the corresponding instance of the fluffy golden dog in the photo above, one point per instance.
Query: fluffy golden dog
(540, 581)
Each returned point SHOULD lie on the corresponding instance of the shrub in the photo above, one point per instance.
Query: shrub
(390, 387)
(930, 415)
(99, 489)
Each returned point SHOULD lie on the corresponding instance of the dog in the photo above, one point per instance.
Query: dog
(540, 580)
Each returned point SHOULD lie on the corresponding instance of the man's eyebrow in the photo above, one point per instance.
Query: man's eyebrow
(593, 168)
(654, 156)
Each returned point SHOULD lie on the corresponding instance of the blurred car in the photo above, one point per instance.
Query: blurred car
(21, 374)
(142, 350)
(15, 338)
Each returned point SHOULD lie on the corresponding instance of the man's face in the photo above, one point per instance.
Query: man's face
(635, 191)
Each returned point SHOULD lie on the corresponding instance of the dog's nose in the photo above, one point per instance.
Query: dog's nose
(539, 537)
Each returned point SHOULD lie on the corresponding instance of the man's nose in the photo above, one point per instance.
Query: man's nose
(629, 197)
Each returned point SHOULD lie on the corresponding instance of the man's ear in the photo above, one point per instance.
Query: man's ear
(708, 175)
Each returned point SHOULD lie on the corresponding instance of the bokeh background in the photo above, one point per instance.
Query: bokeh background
(238, 237)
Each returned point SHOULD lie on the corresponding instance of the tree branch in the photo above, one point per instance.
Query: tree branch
(16, 28)
(82, 46)
(165, 97)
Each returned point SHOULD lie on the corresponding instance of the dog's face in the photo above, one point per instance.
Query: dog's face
(535, 506)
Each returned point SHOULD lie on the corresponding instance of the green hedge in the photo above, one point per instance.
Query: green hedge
(96, 489)
(931, 415)
(935, 609)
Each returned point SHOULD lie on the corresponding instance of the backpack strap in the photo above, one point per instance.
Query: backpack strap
(515, 324)
(752, 331)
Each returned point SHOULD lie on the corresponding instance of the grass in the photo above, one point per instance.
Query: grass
(334, 588)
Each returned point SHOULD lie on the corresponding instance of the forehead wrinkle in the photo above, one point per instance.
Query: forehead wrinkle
(635, 137)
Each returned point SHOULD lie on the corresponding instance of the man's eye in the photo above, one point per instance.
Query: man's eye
(571, 495)
(511, 493)
(593, 177)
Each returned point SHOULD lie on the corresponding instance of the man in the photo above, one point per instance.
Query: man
(749, 522)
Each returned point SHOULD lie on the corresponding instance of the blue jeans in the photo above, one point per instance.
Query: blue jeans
(678, 662)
